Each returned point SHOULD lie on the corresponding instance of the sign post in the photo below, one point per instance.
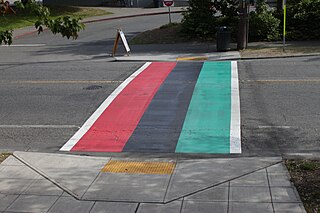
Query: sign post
(284, 24)
(168, 3)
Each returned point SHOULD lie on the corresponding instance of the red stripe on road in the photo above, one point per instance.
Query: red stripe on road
(111, 131)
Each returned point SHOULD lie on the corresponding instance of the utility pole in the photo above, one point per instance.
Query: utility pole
(243, 27)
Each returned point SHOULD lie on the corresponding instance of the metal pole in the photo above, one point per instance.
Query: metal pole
(169, 15)
(243, 25)
(247, 23)
(284, 24)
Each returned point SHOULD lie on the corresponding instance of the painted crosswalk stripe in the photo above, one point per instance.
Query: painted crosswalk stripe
(208, 122)
(235, 122)
(87, 125)
(112, 129)
(160, 126)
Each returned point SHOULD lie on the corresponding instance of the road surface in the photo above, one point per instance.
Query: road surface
(51, 86)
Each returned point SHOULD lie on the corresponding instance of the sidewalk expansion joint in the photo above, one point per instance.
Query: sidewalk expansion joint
(47, 177)
(220, 183)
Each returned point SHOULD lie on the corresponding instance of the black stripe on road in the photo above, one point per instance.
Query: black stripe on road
(160, 126)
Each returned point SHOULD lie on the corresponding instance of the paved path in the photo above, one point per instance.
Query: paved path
(41, 182)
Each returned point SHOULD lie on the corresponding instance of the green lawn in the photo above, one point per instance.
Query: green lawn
(23, 19)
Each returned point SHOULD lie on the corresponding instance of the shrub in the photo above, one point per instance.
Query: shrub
(303, 19)
(201, 18)
(6, 37)
(198, 20)
(228, 8)
(263, 25)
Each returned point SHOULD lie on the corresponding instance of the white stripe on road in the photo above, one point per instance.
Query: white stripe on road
(87, 125)
(40, 126)
(299, 154)
(274, 127)
(235, 123)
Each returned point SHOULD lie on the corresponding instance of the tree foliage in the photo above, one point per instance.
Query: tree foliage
(303, 19)
(228, 8)
(6, 37)
(263, 25)
(66, 26)
(204, 16)
(198, 20)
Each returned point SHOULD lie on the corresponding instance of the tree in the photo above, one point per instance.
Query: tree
(198, 20)
(263, 25)
(66, 26)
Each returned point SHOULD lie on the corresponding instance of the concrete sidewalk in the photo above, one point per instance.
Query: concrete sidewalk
(40, 182)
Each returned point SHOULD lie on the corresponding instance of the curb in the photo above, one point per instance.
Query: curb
(240, 59)
(129, 16)
(285, 56)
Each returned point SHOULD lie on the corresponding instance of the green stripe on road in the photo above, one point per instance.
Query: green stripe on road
(207, 124)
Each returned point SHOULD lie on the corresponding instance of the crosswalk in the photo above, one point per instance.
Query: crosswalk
(168, 107)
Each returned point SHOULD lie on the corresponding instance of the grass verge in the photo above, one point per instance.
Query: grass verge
(296, 48)
(3, 156)
(24, 19)
(305, 174)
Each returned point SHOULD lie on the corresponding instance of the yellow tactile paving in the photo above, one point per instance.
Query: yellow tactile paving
(139, 167)
(196, 58)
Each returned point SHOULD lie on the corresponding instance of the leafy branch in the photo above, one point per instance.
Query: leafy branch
(6, 37)
(67, 26)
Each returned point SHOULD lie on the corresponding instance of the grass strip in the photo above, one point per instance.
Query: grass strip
(305, 174)
(4, 155)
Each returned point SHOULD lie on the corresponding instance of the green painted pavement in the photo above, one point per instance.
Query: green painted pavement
(207, 124)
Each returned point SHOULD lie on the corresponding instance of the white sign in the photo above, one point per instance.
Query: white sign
(124, 41)
(120, 34)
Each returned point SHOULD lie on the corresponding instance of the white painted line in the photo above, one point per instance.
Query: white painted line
(299, 154)
(87, 125)
(24, 45)
(235, 124)
(40, 126)
(274, 127)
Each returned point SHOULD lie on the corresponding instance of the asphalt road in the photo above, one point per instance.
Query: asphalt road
(43, 104)
(48, 91)
(280, 106)
(94, 43)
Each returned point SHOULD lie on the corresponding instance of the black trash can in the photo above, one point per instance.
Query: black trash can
(223, 39)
